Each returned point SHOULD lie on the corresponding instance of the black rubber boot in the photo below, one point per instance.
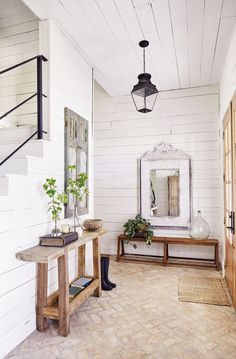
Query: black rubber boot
(105, 285)
(107, 260)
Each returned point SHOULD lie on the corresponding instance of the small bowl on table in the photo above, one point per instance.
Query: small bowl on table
(93, 224)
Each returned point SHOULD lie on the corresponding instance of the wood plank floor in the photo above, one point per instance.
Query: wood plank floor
(141, 318)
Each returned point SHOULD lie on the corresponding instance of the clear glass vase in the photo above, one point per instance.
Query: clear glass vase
(77, 224)
(56, 231)
(76, 219)
(199, 228)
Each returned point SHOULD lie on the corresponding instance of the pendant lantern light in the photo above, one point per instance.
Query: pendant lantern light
(144, 94)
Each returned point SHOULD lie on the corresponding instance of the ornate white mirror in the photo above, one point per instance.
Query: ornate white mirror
(165, 187)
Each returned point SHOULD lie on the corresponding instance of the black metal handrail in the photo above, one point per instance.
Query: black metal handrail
(19, 147)
(39, 93)
(23, 63)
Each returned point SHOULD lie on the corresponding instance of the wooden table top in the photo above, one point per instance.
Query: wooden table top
(40, 254)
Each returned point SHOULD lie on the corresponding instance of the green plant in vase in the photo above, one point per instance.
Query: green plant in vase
(56, 203)
(77, 188)
(138, 227)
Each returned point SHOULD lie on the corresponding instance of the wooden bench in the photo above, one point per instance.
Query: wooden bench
(165, 259)
(57, 305)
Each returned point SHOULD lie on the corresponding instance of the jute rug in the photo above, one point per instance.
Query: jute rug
(203, 290)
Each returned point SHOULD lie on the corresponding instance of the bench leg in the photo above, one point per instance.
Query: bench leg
(122, 248)
(42, 286)
(63, 297)
(166, 253)
(217, 262)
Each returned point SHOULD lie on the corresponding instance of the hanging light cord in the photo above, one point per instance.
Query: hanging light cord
(144, 60)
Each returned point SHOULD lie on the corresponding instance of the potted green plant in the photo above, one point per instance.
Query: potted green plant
(77, 188)
(56, 203)
(138, 227)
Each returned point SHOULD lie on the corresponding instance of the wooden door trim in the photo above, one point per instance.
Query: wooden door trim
(229, 129)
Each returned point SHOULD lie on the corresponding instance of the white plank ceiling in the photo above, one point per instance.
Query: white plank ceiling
(188, 38)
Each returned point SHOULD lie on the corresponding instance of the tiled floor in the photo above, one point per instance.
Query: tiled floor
(141, 318)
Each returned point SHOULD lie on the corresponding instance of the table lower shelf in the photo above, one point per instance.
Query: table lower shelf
(52, 309)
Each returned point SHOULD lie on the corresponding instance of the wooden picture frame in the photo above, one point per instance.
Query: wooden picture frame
(76, 153)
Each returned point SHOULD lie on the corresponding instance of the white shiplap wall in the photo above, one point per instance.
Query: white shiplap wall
(188, 119)
(23, 211)
(18, 42)
(228, 78)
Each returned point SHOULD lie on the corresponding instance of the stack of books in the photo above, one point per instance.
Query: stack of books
(78, 286)
(59, 241)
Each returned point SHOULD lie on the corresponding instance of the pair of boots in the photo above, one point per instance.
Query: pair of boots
(106, 283)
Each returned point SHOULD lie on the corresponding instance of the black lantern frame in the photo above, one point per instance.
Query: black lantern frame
(144, 94)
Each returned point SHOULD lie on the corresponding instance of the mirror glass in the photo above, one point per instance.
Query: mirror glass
(164, 192)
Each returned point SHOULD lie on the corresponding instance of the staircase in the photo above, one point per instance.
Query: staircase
(25, 161)
(20, 153)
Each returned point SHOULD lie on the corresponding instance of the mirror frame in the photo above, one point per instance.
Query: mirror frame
(165, 156)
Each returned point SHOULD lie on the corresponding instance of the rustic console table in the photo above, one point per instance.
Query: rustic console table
(165, 259)
(57, 305)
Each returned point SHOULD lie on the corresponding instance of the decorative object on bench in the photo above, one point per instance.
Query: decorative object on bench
(65, 228)
(93, 224)
(106, 283)
(138, 228)
(81, 282)
(199, 228)
(77, 191)
(204, 290)
(58, 241)
(73, 292)
(56, 203)
(78, 285)
(165, 187)
(59, 305)
(165, 259)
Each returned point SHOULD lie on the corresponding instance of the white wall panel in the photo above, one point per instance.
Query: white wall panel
(23, 209)
(188, 119)
(18, 42)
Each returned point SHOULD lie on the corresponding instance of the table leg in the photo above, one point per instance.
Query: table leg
(217, 262)
(166, 253)
(63, 296)
(96, 266)
(42, 286)
(81, 260)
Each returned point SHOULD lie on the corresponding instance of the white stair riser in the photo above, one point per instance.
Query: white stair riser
(15, 135)
(33, 148)
(4, 182)
(33, 166)
(15, 165)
